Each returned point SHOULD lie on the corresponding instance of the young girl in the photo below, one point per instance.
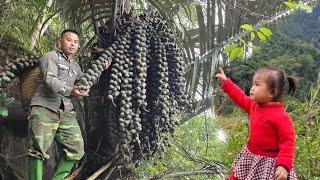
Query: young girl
(270, 148)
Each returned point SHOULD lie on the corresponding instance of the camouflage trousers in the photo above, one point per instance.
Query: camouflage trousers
(46, 125)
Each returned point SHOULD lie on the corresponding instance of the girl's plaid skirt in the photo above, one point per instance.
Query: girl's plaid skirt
(249, 166)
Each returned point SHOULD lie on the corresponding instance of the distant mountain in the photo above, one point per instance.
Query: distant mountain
(304, 26)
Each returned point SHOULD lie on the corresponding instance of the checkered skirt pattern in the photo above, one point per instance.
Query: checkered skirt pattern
(249, 166)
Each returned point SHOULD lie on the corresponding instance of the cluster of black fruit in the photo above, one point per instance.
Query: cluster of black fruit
(16, 67)
(146, 85)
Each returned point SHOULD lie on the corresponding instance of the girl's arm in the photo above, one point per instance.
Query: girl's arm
(234, 92)
(237, 95)
(285, 130)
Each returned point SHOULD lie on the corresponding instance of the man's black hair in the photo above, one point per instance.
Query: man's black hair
(69, 30)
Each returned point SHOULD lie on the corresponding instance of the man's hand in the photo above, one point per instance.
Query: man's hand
(220, 75)
(106, 64)
(281, 173)
(78, 91)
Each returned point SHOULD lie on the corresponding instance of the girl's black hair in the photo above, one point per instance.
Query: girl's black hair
(278, 82)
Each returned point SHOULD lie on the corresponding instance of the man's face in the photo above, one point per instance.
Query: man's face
(69, 43)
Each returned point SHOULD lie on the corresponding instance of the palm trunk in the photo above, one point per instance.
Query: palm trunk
(36, 30)
(213, 29)
(209, 26)
(47, 23)
(220, 25)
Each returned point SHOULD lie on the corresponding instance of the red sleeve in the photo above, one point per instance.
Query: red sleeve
(285, 131)
(237, 95)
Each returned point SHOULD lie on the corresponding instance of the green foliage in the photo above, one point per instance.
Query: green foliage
(267, 32)
(195, 140)
(236, 52)
(297, 5)
(237, 49)
(262, 37)
(236, 129)
(247, 27)
(4, 102)
(17, 20)
(306, 117)
(291, 5)
(252, 36)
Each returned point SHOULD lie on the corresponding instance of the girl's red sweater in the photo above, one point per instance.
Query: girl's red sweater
(271, 131)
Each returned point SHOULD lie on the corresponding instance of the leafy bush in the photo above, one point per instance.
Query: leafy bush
(306, 116)
(236, 129)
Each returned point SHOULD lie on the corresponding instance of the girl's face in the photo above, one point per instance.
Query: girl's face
(260, 91)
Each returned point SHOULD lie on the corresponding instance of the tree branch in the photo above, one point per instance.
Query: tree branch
(182, 174)
(102, 169)
(211, 165)
(75, 173)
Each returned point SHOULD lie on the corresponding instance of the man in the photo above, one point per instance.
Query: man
(51, 114)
